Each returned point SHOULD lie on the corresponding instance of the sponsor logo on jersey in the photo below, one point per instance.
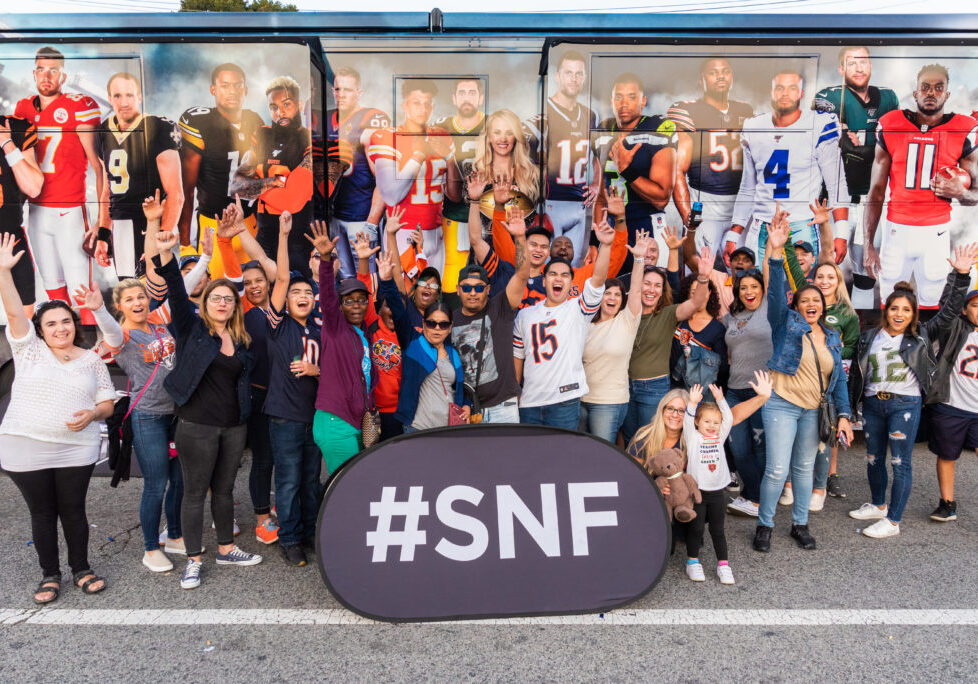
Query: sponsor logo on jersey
(61, 115)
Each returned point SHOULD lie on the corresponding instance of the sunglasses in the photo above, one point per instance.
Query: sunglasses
(478, 289)
(741, 272)
(437, 325)
(430, 285)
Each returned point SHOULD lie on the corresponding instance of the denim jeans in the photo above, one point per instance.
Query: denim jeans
(297, 488)
(791, 434)
(564, 414)
(747, 446)
(260, 477)
(894, 422)
(645, 396)
(506, 412)
(151, 435)
(602, 420)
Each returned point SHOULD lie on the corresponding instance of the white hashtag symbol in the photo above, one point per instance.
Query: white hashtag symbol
(385, 510)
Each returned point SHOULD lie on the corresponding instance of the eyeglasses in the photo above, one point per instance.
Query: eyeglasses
(478, 289)
(316, 255)
(674, 411)
(741, 272)
(354, 301)
(430, 285)
(437, 325)
(217, 299)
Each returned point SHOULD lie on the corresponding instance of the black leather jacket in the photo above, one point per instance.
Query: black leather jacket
(917, 351)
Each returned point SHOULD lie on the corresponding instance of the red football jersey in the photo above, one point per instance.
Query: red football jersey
(59, 151)
(917, 155)
(422, 204)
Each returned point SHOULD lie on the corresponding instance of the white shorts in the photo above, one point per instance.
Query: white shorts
(918, 251)
(570, 220)
(56, 235)
(717, 213)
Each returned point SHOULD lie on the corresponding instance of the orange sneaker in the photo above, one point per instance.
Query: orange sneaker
(267, 532)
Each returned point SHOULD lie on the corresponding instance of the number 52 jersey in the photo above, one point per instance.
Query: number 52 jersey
(787, 165)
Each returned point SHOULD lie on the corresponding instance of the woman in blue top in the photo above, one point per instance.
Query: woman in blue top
(805, 347)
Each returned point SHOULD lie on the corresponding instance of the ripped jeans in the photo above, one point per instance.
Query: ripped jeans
(890, 422)
(791, 440)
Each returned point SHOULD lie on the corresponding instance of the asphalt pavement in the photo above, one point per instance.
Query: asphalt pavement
(272, 622)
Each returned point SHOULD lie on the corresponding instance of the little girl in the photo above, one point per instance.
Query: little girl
(705, 427)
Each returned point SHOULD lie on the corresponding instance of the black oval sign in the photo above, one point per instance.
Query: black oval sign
(491, 521)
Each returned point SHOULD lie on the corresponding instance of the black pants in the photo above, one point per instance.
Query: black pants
(260, 477)
(209, 459)
(389, 426)
(299, 246)
(51, 494)
(711, 511)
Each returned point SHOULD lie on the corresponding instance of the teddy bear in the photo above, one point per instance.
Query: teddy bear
(667, 469)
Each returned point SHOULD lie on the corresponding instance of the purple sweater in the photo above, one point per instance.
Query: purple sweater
(341, 389)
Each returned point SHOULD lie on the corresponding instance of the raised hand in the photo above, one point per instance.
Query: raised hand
(502, 185)
(695, 394)
(476, 184)
(671, 236)
(604, 231)
(284, 223)
(394, 221)
(90, 299)
(166, 240)
(153, 207)
(642, 241)
(206, 242)
(964, 257)
(385, 265)
(762, 384)
(320, 239)
(362, 246)
(417, 238)
(820, 212)
(779, 231)
(705, 266)
(7, 257)
(231, 221)
(515, 222)
(716, 392)
(615, 200)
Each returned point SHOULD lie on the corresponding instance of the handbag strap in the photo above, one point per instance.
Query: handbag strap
(440, 378)
(818, 366)
(152, 375)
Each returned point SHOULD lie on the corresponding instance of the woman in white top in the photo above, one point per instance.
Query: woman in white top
(49, 438)
(609, 347)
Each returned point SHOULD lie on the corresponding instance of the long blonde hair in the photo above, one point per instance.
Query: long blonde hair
(648, 441)
(235, 325)
(525, 172)
(841, 294)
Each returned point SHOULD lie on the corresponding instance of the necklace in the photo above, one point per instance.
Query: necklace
(67, 357)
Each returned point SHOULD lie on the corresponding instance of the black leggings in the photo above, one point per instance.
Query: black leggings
(713, 511)
(55, 493)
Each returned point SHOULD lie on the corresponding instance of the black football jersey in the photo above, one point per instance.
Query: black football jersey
(278, 151)
(129, 158)
(24, 135)
(716, 162)
(221, 145)
(466, 144)
(562, 136)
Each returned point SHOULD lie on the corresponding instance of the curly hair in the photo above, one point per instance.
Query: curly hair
(712, 303)
(51, 306)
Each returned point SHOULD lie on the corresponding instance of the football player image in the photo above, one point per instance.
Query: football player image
(709, 158)
(859, 107)
(20, 178)
(214, 141)
(465, 127)
(277, 171)
(561, 139)
(410, 164)
(918, 154)
(57, 225)
(637, 154)
(356, 207)
(788, 154)
(140, 155)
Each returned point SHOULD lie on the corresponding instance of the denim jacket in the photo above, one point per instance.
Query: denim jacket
(788, 329)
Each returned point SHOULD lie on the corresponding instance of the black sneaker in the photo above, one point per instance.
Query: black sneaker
(804, 538)
(293, 555)
(946, 511)
(309, 544)
(762, 538)
(834, 487)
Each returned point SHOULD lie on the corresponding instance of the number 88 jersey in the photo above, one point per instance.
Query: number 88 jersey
(129, 158)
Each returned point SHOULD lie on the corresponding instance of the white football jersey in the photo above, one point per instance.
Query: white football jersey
(787, 165)
(550, 340)
(964, 376)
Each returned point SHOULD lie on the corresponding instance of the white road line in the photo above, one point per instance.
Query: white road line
(339, 617)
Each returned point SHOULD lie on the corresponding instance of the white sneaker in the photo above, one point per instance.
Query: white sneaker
(882, 528)
(817, 502)
(787, 497)
(868, 512)
(725, 574)
(157, 562)
(694, 571)
(178, 547)
(190, 579)
(743, 507)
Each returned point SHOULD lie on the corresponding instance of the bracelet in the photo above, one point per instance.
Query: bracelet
(14, 156)
(8, 140)
(732, 236)
(630, 174)
(104, 234)
(639, 260)
(704, 281)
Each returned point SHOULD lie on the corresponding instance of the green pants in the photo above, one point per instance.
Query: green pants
(337, 440)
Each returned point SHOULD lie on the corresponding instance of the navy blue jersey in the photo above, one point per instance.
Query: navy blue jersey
(258, 329)
(291, 397)
(355, 190)
(24, 135)
(716, 161)
(562, 135)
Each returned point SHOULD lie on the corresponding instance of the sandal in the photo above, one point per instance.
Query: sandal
(86, 586)
(49, 585)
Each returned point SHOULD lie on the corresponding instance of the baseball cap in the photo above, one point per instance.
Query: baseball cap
(348, 285)
(971, 295)
(189, 259)
(807, 246)
(473, 271)
(746, 251)
(428, 273)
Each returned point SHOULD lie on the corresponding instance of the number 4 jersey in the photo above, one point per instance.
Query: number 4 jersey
(550, 340)
(917, 153)
(787, 165)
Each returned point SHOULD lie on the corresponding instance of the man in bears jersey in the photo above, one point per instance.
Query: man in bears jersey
(859, 107)
(277, 171)
(140, 155)
(911, 148)
(57, 225)
(356, 205)
(214, 140)
(637, 154)
(409, 164)
(559, 140)
(708, 154)
(465, 126)
(788, 154)
(20, 178)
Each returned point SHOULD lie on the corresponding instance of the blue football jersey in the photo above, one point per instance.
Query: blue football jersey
(355, 191)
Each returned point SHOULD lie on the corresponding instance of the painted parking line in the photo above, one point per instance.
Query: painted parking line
(341, 617)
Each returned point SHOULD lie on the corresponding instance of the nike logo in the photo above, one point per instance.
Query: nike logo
(275, 153)
(941, 233)
(63, 213)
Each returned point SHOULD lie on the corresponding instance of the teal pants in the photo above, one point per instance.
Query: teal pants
(337, 440)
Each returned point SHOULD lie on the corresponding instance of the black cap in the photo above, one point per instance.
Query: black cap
(348, 285)
(429, 272)
(746, 251)
(971, 295)
(473, 271)
(807, 246)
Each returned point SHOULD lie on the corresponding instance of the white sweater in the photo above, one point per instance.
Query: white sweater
(705, 458)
